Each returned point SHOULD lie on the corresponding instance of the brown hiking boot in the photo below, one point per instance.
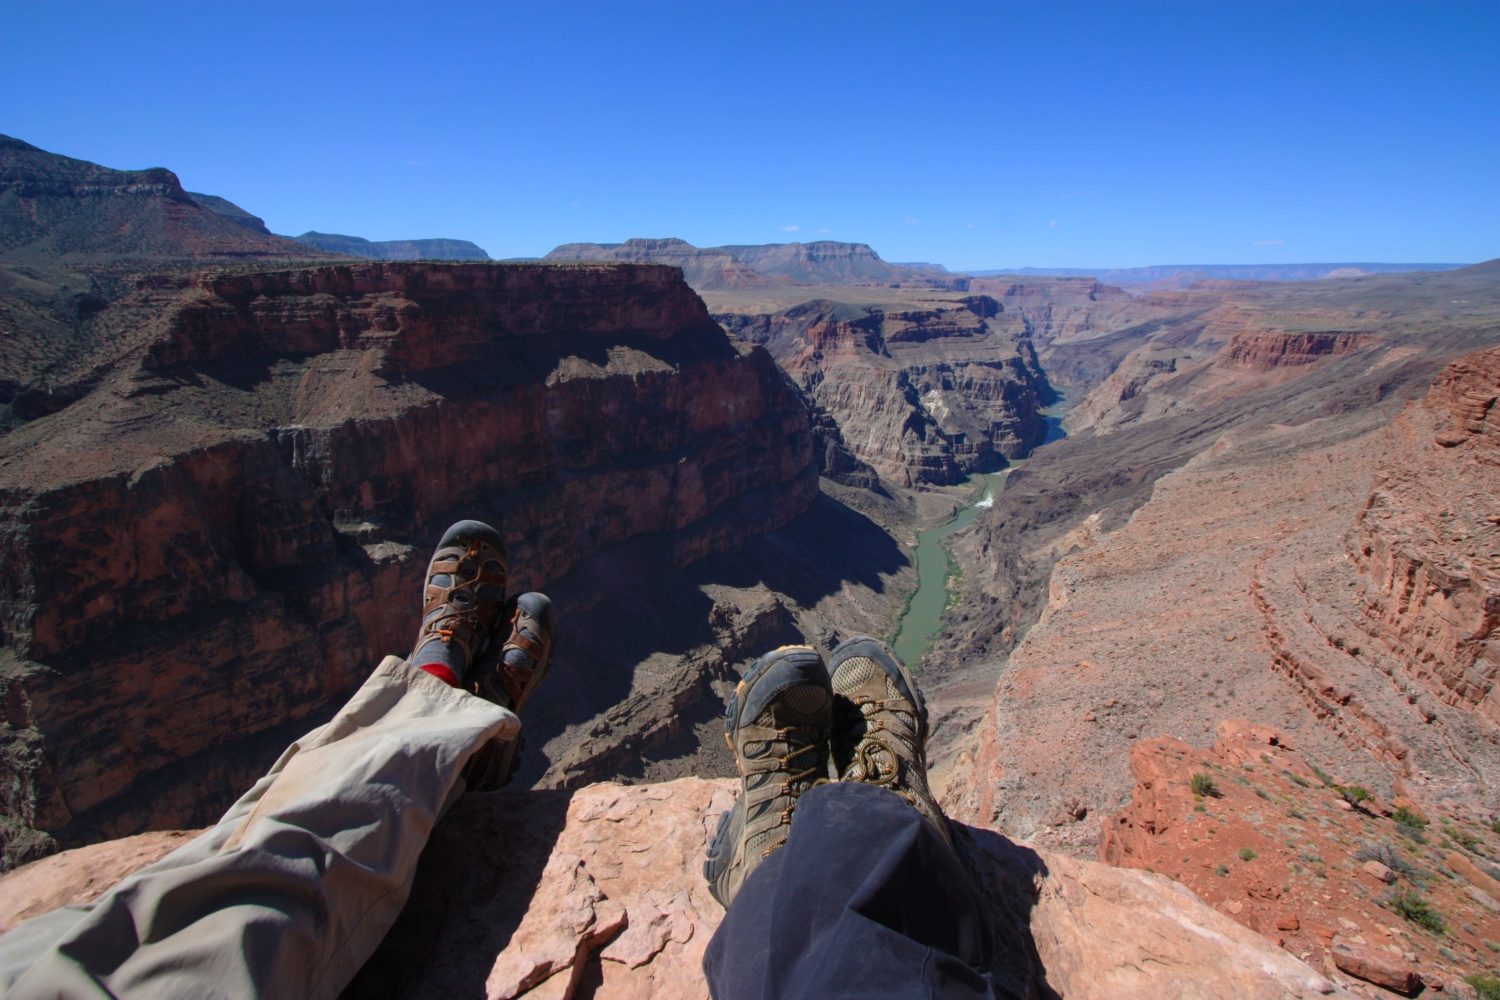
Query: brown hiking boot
(777, 727)
(508, 676)
(880, 725)
(462, 601)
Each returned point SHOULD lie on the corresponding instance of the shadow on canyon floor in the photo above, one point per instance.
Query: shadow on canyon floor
(631, 631)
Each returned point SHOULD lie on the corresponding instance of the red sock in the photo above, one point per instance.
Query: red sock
(441, 671)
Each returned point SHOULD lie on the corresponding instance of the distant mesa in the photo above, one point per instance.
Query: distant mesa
(54, 207)
(825, 262)
(355, 246)
(1177, 276)
(229, 210)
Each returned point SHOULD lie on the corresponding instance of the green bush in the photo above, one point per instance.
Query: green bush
(1413, 907)
(1485, 984)
(1353, 794)
(1470, 842)
(1246, 854)
(1405, 817)
(1203, 786)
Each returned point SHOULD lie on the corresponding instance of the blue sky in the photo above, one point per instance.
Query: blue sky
(975, 135)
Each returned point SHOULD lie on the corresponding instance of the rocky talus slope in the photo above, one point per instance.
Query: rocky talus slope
(924, 392)
(1379, 660)
(599, 893)
(1263, 835)
(238, 507)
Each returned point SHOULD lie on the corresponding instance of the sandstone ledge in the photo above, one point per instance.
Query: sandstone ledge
(599, 892)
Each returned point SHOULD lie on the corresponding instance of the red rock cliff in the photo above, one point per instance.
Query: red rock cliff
(207, 550)
(926, 392)
(1428, 539)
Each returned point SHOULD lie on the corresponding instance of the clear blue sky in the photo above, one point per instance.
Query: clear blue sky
(970, 134)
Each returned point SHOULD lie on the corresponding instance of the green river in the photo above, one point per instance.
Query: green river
(924, 614)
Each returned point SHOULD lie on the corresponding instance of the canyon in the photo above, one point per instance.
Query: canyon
(244, 492)
(222, 464)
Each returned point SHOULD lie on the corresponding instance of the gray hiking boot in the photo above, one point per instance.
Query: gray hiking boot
(777, 727)
(880, 725)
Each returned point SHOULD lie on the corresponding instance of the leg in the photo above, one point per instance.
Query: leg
(292, 890)
(867, 897)
(865, 900)
(296, 885)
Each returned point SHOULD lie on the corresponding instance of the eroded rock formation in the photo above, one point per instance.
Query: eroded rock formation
(925, 392)
(237, 509)
(1148, 628)
(1428, 539)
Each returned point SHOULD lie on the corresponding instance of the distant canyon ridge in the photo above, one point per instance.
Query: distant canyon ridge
(223, 454)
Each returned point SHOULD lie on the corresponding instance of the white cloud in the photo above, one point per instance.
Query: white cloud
(1268, 243)
(825, 229)
(791, 229)
(1051, 223)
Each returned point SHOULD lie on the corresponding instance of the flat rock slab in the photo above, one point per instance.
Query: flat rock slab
(600, 892)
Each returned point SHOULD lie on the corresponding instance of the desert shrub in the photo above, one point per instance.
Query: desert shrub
(1203, 786)
(1353, 794)
(1223, 871)
(1405, 817)
(1323, 775)
(1246, 854)
(1387, 854)
(1470, 843)
(1411, 906)
(1485, 984)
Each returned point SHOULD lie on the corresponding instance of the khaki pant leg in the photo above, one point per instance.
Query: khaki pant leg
(293, 889)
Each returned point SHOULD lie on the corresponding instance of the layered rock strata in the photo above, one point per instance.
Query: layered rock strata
(208, 549)
(924, 393)
(769, 265)
(1428, 539)
(1376, 672)
(711, 267)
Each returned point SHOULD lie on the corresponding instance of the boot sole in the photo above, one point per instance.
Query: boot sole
(721, 848)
